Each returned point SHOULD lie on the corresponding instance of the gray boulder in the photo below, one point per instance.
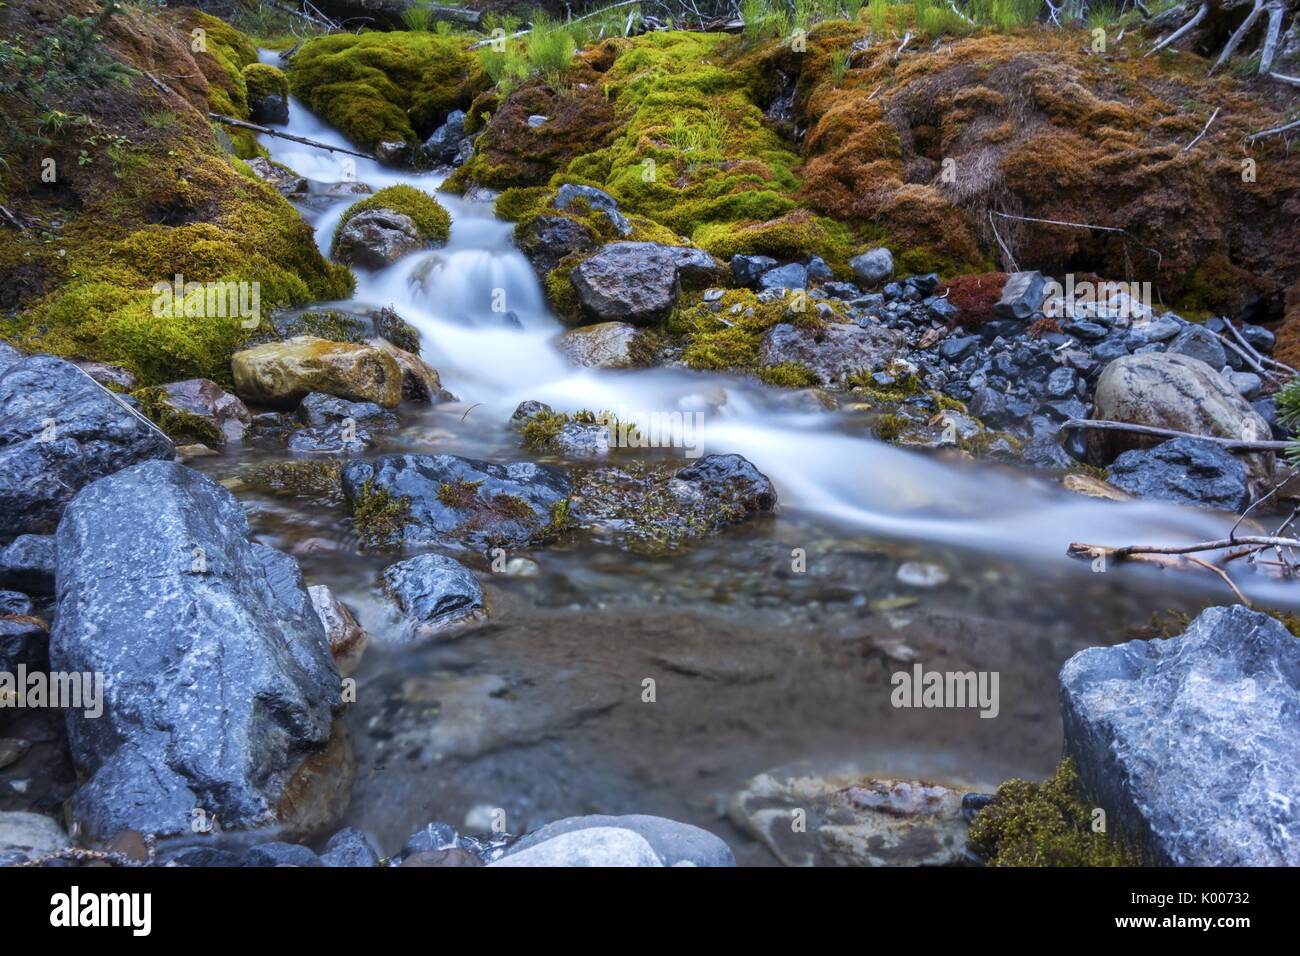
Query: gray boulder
(1189, 744)
(595, 847)
(459, 502)
(548, 239)
(674, 843)
(639, 282)
(444, 143)
(1186, 471)
(59, 431)
(873, 266)
(596, 199)
(835, 352)
(220, 685)
(1022, 296)
(1200, 343)
(434, 593)
(27, 564)
(374, 238)
(792, 275)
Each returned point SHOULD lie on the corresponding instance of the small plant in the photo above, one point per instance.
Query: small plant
(839, 66)
(550, 49)
(878, 14)
(418, 17)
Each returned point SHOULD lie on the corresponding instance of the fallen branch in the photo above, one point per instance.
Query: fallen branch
(1165, 558)
(1205, 130)
(12, 219)
(1182, 31)
(241, 124)
(1084, 225)
(1238, 35)
(1271, 36)
(1273, 132)
(1229, 444)
(1283, 78)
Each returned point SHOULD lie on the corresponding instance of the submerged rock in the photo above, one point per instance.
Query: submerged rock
(451, 501)
(1186, 471)
(853, 820)
(1189, 743)
(604, 345)
(220, 689)
(834, 352)
(595, 846)
(676, 844)
(59, 431)
(283, 373)
(434, 593)
(347, 638)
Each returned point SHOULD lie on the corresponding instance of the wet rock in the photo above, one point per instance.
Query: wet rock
(431, 838)
(1185, 471)
(28, 563)
(873, 266)
(789, 276)
(1189, 743)
(595, 199)
(283, 373)
(205, 399)
(526, 410)
(580, 440)
(9, 356)
(420, 381)
(340, 326)
(339, 438)
(394, 153)
(281, 854)
(1200, 343)
(374, 238)
(347, 638)
(25, 641)
(444, 143)
(853, 820)
(28, 836)
(283, 179)
(349, 848)
(633, 282)
(1177, 392)
(1022, 296)
(112, 377)
(60, 430)
(595, 846)
(548, 239)
(676, 844)
(449, 857)
(745, 270)
(438, 844)
(834, 353)
(199, 856)
(15, 603)
(434, 593)
(317, 410)
(604, 345)
(222, 689)
(483, 504)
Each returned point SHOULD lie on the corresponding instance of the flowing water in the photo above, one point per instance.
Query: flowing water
(540, 711)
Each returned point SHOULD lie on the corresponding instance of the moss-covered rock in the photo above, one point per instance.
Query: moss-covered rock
(385, 87)
(432, 221)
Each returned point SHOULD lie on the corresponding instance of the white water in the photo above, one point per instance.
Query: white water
(448, 295)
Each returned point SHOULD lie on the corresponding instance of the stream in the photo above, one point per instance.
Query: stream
(757, 666)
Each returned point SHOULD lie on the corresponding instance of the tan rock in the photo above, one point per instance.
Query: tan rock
(1094, 488)
(348, 639)
(420, 380)
(281, 373)
(604, 345)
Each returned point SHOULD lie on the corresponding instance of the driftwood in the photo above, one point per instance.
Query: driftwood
(242, 124)
(1161, 557)
(1230, 444)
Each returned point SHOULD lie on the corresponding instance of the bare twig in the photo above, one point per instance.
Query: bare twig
(1269, 50)
(241, 124)
(1083, 225)
(1274, 131)
(1283, 78)
(1203, 131)
(1010, 262)
(1186, 28)
(1229, 444)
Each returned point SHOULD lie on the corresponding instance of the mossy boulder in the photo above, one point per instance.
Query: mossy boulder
(385, 226)
(385, 87)
(281, 374)
(268, 93)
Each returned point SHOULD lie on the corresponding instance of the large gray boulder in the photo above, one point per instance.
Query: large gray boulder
(873, 266)
(59, 431)
(674, 843)
(449, 501)
(548, 239)
(1185, 471)
(639, 282)
(1190, 744)
(836, 351)
(1172, 391)
(374, 238)
(219, 685)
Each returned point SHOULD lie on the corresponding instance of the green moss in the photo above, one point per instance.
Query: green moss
(542, 427)
(889, 427)
(378, 517)
(791, 236)
(432, 222)
(459, 494)
(522, 202)
(385, 87)
(1045, 824)
(180, 426)
(263, 80)
(905, 385)
(788, 375)
(319, 479)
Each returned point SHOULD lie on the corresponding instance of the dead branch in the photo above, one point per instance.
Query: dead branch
(1182, 31)
(1272, 35)
(1084, 225)
(1166, 558)
(1203, 131)
(1273, 132)
(1238, 35)
(241, 124)
(1283, 78)
(1230, 444)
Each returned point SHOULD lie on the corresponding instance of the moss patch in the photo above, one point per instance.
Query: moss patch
(378, 517)
(432, 222)
(182, 427)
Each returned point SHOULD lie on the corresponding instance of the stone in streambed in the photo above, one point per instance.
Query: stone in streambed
(220, 691)
(604, 345)
(349, 847)
(27, 836)
(1185, 471)
(594, 847)
(224, 418)
(28, 564)
(548, 239)
(674, 843)
(59, 431)
(317, 410)
(347, 638)
(434, 593)
(375, 238)
(283, 373)
(639, 282)
(1189, 743)
(835, 352)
